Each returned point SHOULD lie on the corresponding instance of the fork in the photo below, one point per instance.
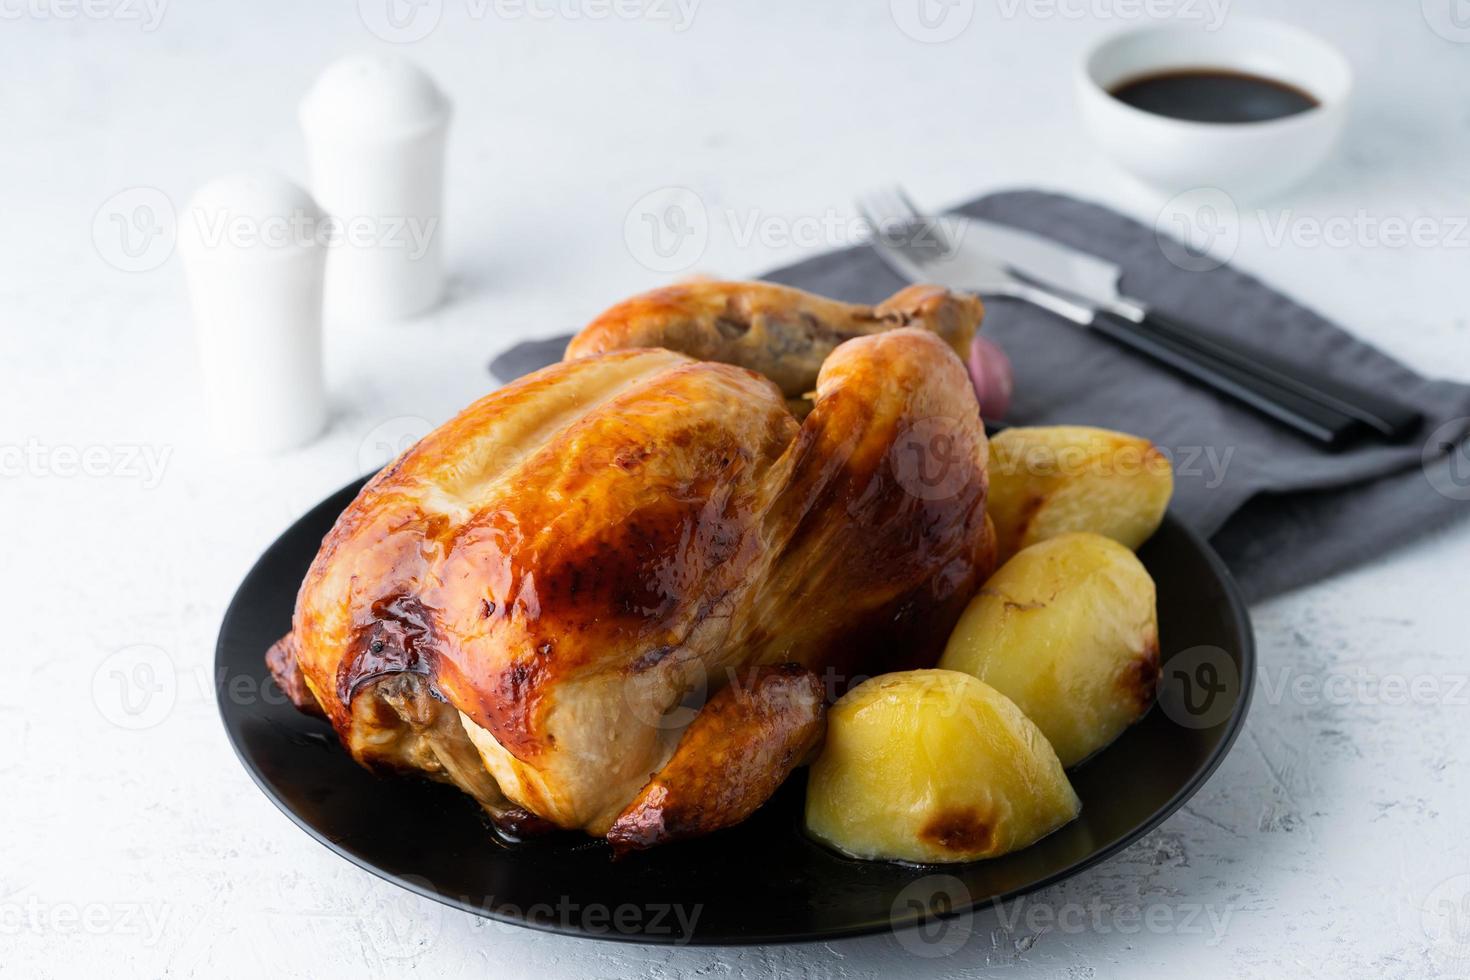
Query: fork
(920, 249)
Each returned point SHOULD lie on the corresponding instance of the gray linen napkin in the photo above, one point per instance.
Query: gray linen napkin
(1281, 511)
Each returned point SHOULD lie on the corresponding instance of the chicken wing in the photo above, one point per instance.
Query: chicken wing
(776, 331)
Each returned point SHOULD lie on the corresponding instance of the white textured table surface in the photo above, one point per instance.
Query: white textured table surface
(1336, 822)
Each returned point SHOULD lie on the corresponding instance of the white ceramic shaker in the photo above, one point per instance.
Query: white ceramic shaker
(375, 130)
(254, 258)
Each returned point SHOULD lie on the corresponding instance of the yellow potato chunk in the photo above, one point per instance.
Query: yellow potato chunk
(934, 767)
(1067, 629)
(1050, 480)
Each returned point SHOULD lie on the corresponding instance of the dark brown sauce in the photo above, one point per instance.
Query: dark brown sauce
(1213, 95)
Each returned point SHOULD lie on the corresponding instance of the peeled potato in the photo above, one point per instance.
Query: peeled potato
(1050, 480)
(932, 766)
(1066, 629)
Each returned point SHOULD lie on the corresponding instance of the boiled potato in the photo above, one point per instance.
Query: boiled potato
(1068, 631)
(1049, 480)
(932, 766)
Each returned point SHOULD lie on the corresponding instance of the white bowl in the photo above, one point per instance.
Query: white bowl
(1245, 160)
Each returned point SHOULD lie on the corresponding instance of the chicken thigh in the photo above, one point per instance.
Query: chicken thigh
(616, 595)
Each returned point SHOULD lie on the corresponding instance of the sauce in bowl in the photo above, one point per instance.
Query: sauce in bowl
(1213, 95)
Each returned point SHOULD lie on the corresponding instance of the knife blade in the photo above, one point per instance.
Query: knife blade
(1042, 261)
(967, 269)
(1080, 275)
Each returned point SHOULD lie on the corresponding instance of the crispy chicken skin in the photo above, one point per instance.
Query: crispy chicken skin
(526, 602)
(780, 332)
(735, 753)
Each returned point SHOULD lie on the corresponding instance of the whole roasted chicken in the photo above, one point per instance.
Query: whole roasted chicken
(617, 594)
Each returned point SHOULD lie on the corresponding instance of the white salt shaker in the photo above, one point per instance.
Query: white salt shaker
(375, 131)
(254, 257)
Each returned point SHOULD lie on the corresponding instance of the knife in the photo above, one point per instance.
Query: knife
(1078, 274)
(926, 251)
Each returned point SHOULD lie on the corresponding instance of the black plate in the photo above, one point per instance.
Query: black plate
(761, 882)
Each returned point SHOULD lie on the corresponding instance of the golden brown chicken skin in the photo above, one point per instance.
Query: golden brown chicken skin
(782, 333)
(523, 603)
(736, 752)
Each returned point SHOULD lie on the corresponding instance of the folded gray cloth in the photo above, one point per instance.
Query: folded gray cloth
(1281, 511)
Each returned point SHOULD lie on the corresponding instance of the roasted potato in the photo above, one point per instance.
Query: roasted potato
(933, 766)
(1066, 629)
(1050, 480)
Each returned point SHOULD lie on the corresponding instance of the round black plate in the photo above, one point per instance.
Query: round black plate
(761, 882)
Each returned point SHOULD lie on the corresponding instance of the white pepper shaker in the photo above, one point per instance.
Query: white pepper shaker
(375, 130)
(254, 257)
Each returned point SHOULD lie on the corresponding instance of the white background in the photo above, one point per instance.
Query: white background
(1335, 822)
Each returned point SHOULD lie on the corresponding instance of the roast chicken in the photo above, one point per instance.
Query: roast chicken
(616, 595)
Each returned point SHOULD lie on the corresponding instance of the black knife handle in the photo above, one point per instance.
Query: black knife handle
(1309, 418)
(1389, 417)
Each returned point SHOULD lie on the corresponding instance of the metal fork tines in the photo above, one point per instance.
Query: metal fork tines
(920, 248)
